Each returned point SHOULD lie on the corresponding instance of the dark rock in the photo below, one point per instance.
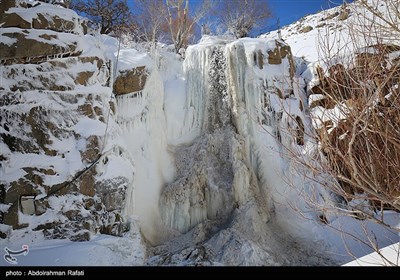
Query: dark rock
(92, 150)
(54, 23)
(48, 37)
(88, 203)
(306, 29)
(87, 110)
(83, 77)
(13, 20)
(130, 81)
(98, 111)
(2, 193)
(28, 49)
(5, 5)
(112, 107)
(87, 182)
(81, 236)
(41, 206)
(3, 235)
(46, 226)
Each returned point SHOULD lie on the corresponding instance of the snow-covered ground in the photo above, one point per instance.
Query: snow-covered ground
(101, 250)
(387, 256)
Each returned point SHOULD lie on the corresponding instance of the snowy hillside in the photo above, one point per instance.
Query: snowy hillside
(151, 158)
(335, 29)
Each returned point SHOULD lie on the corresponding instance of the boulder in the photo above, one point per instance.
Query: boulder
(306, 29)
(130, 80)
(55, 23)
(87, 183)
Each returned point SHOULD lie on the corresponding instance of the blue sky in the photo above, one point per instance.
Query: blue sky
(289, 11)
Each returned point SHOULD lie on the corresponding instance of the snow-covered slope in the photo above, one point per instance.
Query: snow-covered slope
(332, 42)
(336, 31)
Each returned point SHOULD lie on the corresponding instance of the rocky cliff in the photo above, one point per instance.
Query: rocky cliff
(58, 170)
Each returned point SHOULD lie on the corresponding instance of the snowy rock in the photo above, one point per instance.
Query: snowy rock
(36, 46)
(129, 81)
(33, 33)
(55, 122)
(41, 16)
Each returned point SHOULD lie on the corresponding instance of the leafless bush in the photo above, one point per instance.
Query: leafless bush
(357, 130)
(361, 142)
(111, 15)
(240, 17)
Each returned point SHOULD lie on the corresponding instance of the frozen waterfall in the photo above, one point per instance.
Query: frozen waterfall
(207, 143)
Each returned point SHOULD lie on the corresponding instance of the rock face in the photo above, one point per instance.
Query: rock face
(129, 81)
(33, 33)
(24, 49)
(55, 119)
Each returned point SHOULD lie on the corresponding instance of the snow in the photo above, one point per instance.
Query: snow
(387, 256)
(131, 58)
(87, 127)
(169, 131)
(66, 167)
(101, 250)
(116, 166)
(58, 38)
(7, 40)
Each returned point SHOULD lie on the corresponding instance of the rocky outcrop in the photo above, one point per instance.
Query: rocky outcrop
(306, 29)
(39, 15)
(55, 104)
(37, 48)
(129, 81)
(344, 14)
(34, 33)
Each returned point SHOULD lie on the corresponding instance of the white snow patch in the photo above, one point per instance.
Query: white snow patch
(87, 127)
(387, 256)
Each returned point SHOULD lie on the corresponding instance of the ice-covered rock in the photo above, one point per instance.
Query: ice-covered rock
(56, 122)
